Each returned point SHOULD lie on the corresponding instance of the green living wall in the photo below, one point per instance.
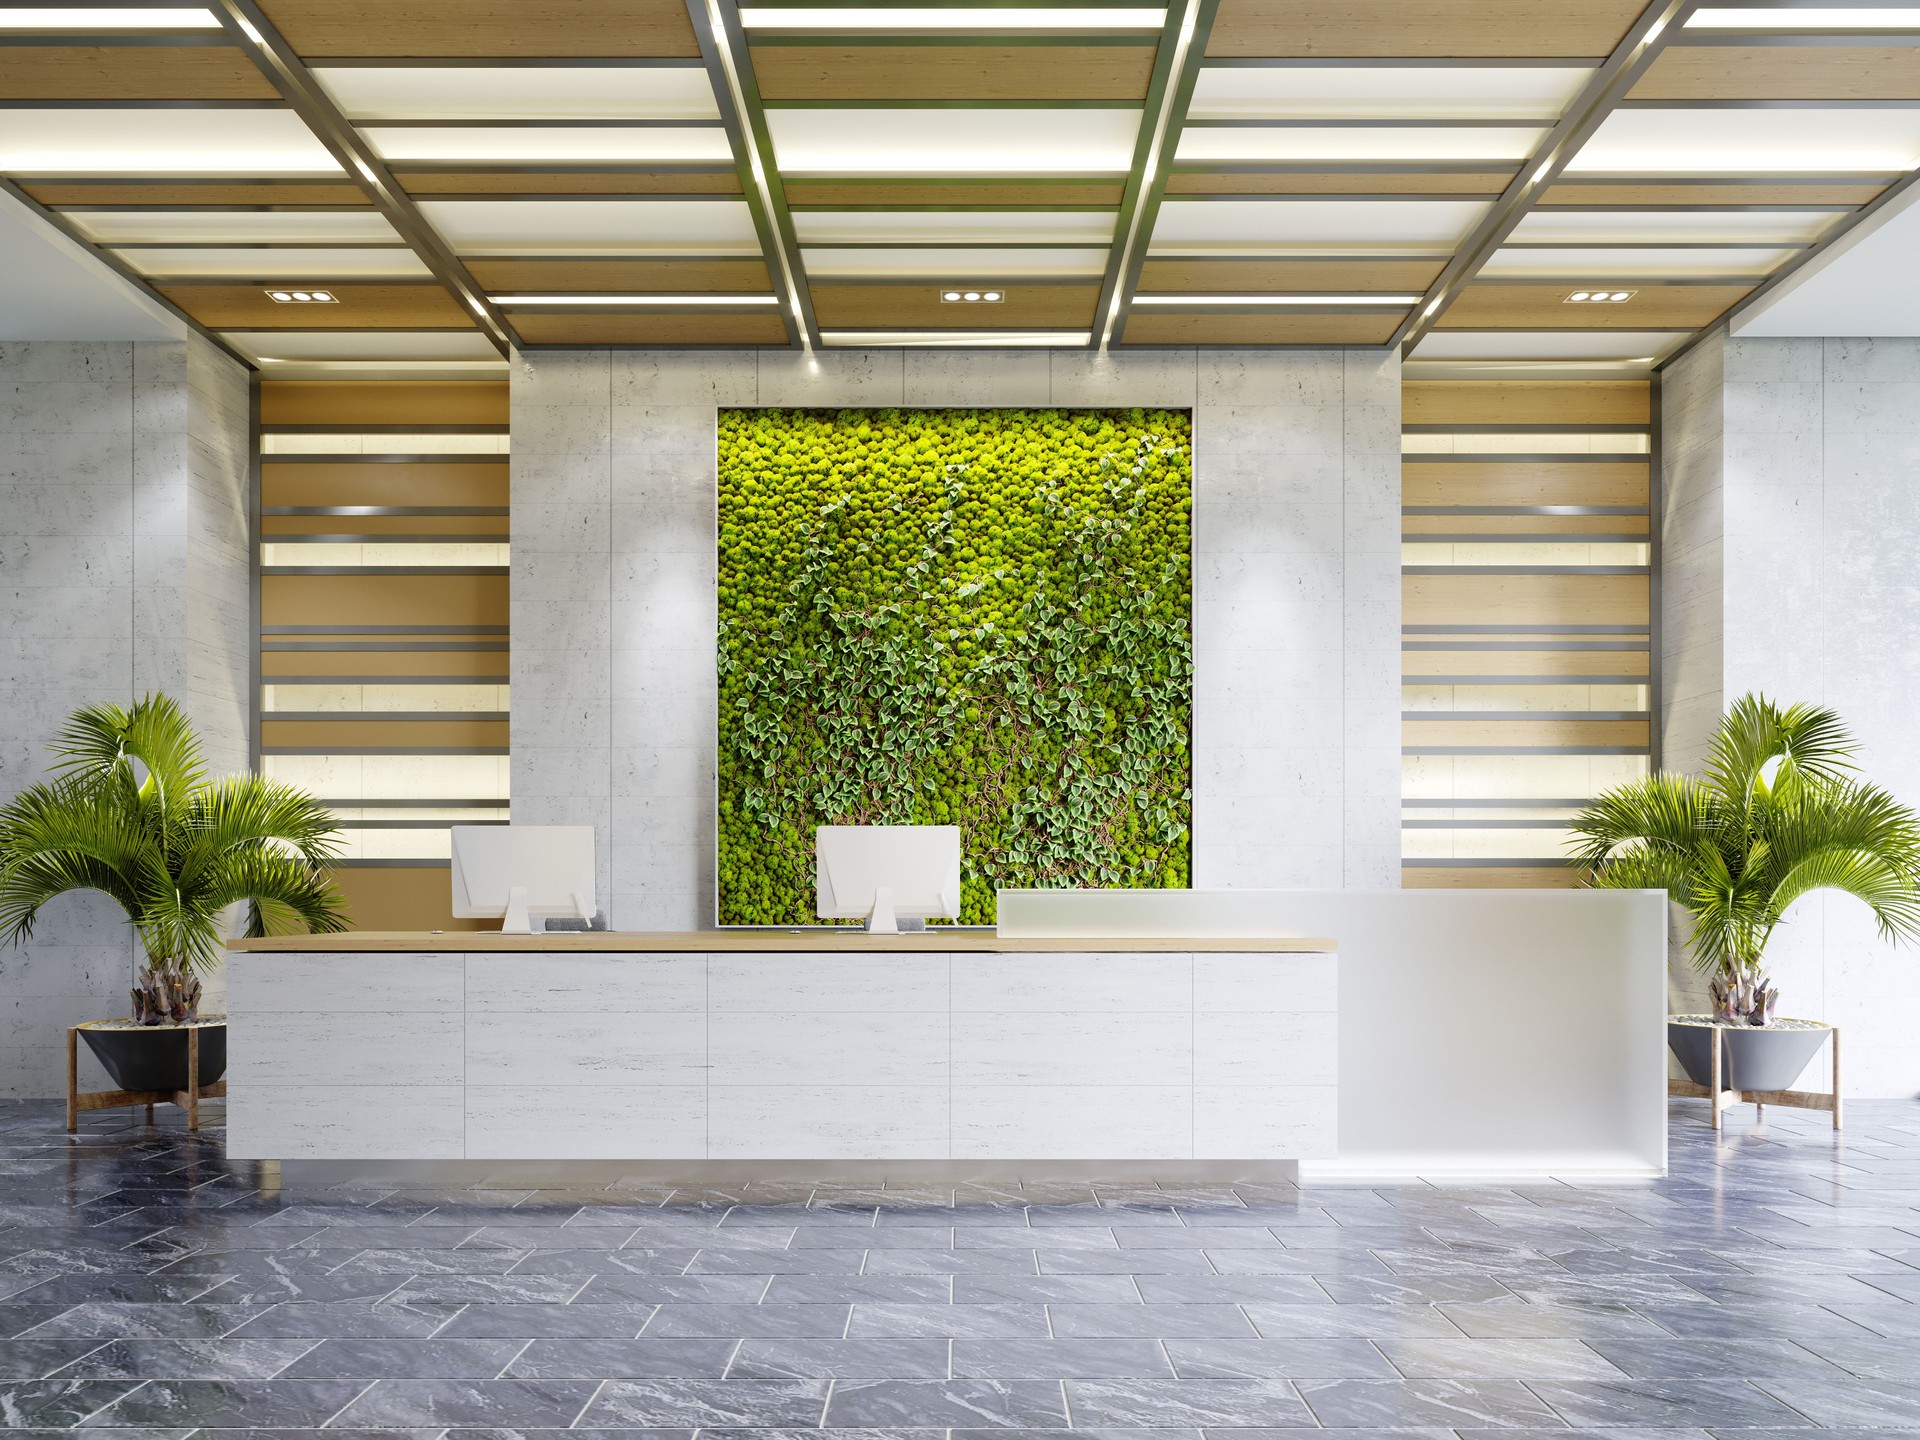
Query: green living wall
(978, 618)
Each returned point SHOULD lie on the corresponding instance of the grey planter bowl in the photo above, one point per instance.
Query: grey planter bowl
(1752, 1057)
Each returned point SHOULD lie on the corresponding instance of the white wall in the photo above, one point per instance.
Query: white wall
(1801, 581)
(123, 569)
(1296, 593)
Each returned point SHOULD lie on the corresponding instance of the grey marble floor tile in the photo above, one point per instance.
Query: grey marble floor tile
(976, 1404)
(1498, 1360)
(1347, 1404)
(1367, 1322)
(388, 1404)
(1519, 1320)
(1297, 1262)
(1122, 1262)
(842, 1289)
(752, 1403)
(1149, 1403)
(1326, 1358)
(1412, 1290)
(32, 1359)
(158, 1359)
(1877, 1403)
(911, 1359)
(948, 1321)
(488, 1290)
(1158, 1322)
(543, 1322)
(230, 1404)
(1755, 1322)
(714, 1261)
(1060, 1359)
(601, 1359)
(951, 1262)
(1221, 1234)
(1683, 1403)
(1752, 1359)
(1232, 1290)
(60, 1404)
(820, 1322)
(1045, 1289)
(621, 1287)
(113, 1319)
(392, 1359)
(303, 1320)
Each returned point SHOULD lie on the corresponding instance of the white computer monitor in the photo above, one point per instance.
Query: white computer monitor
(879, 873)
(519, 872)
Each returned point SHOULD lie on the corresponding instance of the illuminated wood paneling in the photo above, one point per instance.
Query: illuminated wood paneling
(379, 402)
(480, 527)
(1144, 328)
(1627, 665)
(840, 194)
(1525, 402)
(1509, 482)
(621, 277)
(356, 307)
(1487, 306)
(215, 193)
(1399, 182)
(1469, 599)
(1046, 71)
(1655, 195)
(570, 182)
(1782, 72)
(379, 599)
(485, 667)
(672, 329)
(1569, 527)
(1520, 735)
(355, 732)
(130, 72)
(510, 29)
(1423, 28)
(918, 305)
(453, 482)
(1233, 277)
(404, 898)
(1489, 877)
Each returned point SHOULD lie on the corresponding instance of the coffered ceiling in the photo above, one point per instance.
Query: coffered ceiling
(446, 178)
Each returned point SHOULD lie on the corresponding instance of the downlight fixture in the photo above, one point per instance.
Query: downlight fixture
(302, 297)
(971, 297)
(1599, 296)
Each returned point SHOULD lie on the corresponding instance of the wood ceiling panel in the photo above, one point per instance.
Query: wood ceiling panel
(441, 482)
(518, 29)
(376, 599)
(1240, 277)
(1652, 196)
(622, 277)
(840, 194)
(1424, 28)
(130, 72)
(226, 195)
(1525, 402)
(1782, 72)
(1399, 182)
(565, 182)
(359, 307)
(671, 329)
(1470, 599)
(1144, 328)
(384, 402)
(953, 72)
(918, 306)
(1489, 306)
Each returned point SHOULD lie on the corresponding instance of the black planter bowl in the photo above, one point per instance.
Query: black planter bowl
(1752, 1057)
(154, 1057)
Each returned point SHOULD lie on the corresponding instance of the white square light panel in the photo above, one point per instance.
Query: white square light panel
(234, 227)
(1225, 227)
(1807, 18)
(951, 263)
(935, 227)
(275, 263)
(1636, 262)
(560, 142)
(150, 142)
(1547, 345)
(1315, 92)
(595, 227)
(362, 344)
(511, 92)
(1752, 142)
(1701, 227)
(1385, 142)
(971, 142)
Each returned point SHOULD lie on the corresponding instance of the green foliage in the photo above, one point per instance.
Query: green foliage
(132, 814)
(1776, 816)
(971, 617)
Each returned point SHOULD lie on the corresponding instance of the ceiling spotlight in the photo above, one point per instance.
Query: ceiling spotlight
(323, 297)
(951, 295)
(1579, 295)
(991, 295)
(282, 296)
(972, 297)
(1599, 296)
(302, 297)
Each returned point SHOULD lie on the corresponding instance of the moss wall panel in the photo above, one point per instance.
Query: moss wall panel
(971, 617)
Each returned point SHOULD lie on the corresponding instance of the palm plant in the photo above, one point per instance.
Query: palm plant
(130, 812)
(1777, 815)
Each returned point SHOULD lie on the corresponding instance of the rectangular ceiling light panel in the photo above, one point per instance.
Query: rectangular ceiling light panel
(954, 142)
(1808, 18)
(1632, 262)
(937, 227)
(1282, 226)
(1377, 142)
(1752, 142)
(1331, 92)
(561, 142)
(595, 227)
(949, 263)
(267, 263)
(159, 142)
(956, 339)
(234, 227)
(907, 19)
(361, 344)
(1654, 226)
(511, 92)
(78, 18)
(1548, 345)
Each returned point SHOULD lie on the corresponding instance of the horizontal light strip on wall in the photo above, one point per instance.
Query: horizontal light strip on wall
(1522, 679)
(1555, 715)
(1479, 824)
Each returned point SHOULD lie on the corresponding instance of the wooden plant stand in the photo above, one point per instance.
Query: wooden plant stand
(1760, 1099)
(188, 1099)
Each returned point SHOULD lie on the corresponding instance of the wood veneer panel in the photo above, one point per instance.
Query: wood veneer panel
(1526, 402)
(130, 72)
(1628, 665)
(363, 734)
(841, 193)
(1564, 527)
(204, 192)
(1782, 72)
(325, 483)
(1364, 28)
(570, 182)
(490, 667)
(1286, 183)
(954, 72)
(1573, 599)
(1242, 277)
(223, 306)
(1524, 734)
(1731, 194)
(620, 277)
(383, 600)
(766, 328)
(1489, 306)
(522, 29)
(1143, 328)
(1502, 482)
(480, 527)
(401, 897)
(918, 306)
(1489, 877)
(385, 402)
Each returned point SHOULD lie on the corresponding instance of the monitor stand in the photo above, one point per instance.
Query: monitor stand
(880, 920)
(517, 921)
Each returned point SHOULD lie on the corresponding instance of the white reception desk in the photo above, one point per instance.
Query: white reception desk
(810, 1046)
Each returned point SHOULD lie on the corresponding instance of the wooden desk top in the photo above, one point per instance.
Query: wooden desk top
(799, 942)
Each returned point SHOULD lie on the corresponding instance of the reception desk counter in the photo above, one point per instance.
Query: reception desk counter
(799, 1046)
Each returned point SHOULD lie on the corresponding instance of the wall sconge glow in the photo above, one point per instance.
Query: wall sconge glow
(1276, 299)
(971, 297)
(302, 297)
(970, 17)
(519, 300)
(48, 18)
(1599, 297)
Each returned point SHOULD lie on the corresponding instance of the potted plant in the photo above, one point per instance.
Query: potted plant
(1778, 814)
(130, 812)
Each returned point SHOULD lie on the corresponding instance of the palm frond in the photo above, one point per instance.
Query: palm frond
(1807, 741)
(1886, 889)
(1661, 810)
(103, 739)
(284, 894)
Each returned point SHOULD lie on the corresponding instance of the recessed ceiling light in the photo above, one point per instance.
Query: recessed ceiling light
(107, 18)
(968, 17)
(956, 339)
(970, 297)
(1601, 296)
(302, 297)
(519, 300)
(1808, 18)
(1276, 299)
